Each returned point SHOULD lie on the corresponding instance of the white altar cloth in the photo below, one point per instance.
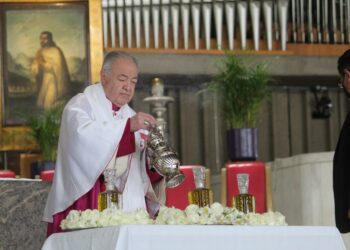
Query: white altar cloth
(193, 237)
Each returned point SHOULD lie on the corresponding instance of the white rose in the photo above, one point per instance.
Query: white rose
(203, 219)
(73, 215)
(102, 221)
(251, 219)
(212, 220)
(204, 211)
(216, 208)
(72, 220)
(182, 220)
(170, 216)
(280, 219)
(64, 224)
(193, 208)
(193, 218)
(275, 219)
(90, 217)
(142, 217)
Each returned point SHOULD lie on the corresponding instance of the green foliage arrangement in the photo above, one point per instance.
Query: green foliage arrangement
(45, 128)
(242, 88)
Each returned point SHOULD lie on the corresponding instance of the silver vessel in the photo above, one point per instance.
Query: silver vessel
(163, 158)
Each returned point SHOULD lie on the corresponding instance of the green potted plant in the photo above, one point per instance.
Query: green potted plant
(44, 129)
(242, 88)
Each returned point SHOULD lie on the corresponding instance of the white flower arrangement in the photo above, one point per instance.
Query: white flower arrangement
(108, 217)
(216, 214)
(268, 219)
(171, 216)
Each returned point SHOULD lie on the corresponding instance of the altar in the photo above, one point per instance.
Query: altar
(21, 211)
(198, 237)
(308, 209)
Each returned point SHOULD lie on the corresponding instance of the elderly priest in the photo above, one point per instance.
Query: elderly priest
(98, 131)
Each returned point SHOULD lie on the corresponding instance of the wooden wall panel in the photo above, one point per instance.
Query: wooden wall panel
(306, 121)
(191, 124)
(215, 150)
(138, 103)
(319, 136)
(318, 130)
(265, 131)
(334, 121)
(280, 122)
(343, 104)
(296, 126)
(173, 121)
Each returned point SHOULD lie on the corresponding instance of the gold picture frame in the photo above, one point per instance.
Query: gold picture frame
(12, 136)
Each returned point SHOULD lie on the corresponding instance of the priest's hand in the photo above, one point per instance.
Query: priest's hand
(141, 121)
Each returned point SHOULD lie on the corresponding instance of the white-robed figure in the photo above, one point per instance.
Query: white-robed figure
(51, 71)
(98, 131)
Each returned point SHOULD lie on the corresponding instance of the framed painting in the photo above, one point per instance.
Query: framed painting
(44, 56)
(49, 51)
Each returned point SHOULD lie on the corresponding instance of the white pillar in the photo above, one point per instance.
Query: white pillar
(111, 10)
(218, 14)
(155, 20)
(325, 21)
(334, 21)
(294, 22)
(318, 21)
(267, 8)
(282, 6)
(275, 20)
(242, 19)
(309, 19)
(165, 22)
(347, 20)
(254, 7)
(175, 12)
(196, 22)
(230, 23)
(302, 25)
(137, 21)
(185, 16)
(341, 22)
(128, 13)
(146, 21)
(105, 22)
(206, 7)
(120, 16)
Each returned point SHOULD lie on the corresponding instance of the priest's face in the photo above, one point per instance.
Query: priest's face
(119, 82)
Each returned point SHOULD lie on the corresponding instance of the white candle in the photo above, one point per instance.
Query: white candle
(157, 87)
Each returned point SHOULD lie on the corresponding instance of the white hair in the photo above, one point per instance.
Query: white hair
(112, 56)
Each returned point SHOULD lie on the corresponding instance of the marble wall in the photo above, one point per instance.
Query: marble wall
(22, 203)
(303, 190)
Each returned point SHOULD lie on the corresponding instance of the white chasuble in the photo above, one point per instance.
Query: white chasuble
(89, 139)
